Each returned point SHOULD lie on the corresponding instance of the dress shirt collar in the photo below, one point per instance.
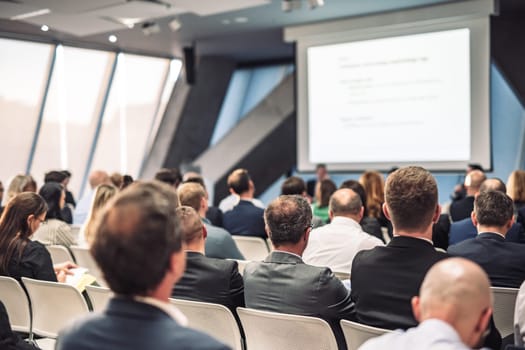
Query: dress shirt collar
(283, 252)
(343, 220)
(487, 233)
(421, 238)
(168, 308)
(445, 330)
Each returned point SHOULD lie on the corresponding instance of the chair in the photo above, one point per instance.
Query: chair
(59, 254)
(16, 303)
(270, 330)
(99, 297)
(253, 248)
(356, 334)
(504, 303)
(213, 319)
(85, 259)
(342, 275)
(54, 305)
(241, 264)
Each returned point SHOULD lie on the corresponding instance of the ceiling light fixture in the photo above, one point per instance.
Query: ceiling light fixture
(112, 38)
(174, 25)
(149, 28)
(44, 28)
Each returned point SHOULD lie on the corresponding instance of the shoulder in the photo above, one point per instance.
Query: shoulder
(188, 338)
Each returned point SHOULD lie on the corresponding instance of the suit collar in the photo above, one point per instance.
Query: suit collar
(281, 257)
(405, 241)
(127, 307)
(491, 235)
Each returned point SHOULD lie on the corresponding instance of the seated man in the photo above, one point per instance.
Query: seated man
(219, 243)
(283, 282)
(335, 245)
(245, 218)
(462, 208)
(504, 262)
(138, 247)
(296, 185)
(206, 279)
(453, 308)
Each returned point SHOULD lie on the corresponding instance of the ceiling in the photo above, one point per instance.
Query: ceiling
(245, 30)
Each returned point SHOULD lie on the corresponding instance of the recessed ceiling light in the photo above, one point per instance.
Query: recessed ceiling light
(226, 21)
(241, 19)
(44, 28)
(112, 38)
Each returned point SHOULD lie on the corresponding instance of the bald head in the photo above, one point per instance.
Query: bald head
(456, 291)
(98, 177)
(346, 202)
(493, 184)
(473, 181)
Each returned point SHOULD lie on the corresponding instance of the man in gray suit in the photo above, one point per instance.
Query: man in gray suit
(283, 282)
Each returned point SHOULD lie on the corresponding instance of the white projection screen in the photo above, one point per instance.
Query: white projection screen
(393, 90)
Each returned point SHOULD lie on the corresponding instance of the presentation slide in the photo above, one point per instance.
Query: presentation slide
(396, 99)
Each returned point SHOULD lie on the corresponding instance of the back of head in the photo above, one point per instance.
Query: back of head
(170, 176)
(103, 194)
(287, 219)
(345, 202)
(190, 224)
(293, 185)
(411, 197)
(17, 185)
(116, 179)
(493, 208)
(474, 179)
(98, 177)
(52, 193)
(196, 178)
(493, 184)
(136, 236)
(239, 181)
(327, 188)
(516, 185)
(55, 176)
(191, 195)
(457, 291)
(357, 188)
(374, 186)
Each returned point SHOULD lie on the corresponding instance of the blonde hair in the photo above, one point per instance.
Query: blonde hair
(374, 186)
(516, 186)
(103, 194)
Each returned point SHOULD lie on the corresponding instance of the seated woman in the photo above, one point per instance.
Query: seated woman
(54, 230)
(323, 192)
(19, 256)
(103, 194)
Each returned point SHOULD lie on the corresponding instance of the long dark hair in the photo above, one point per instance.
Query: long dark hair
(14, 229)
(51, 192)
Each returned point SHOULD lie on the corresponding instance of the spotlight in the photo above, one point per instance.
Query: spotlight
(315, 3)
(112, 38)
(174, 25)
(149, 28)
(44, 28)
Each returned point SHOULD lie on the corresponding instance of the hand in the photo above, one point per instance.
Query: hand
(62, 270)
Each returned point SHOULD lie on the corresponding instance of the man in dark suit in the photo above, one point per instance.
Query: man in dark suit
(139, 249)
(245, 219)
(504, 262)
(283, 282)
(462, 208)
(206, 279)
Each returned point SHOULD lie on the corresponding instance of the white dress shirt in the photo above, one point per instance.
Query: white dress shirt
(335, 245)
(519, 317)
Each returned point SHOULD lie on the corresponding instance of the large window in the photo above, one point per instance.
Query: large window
(71, 112)
(24, 69)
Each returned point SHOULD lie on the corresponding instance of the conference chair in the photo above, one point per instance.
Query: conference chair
(99, 297)
(253, 248)
(54, 305)
(270, 330)
(503, 309)
(356, 334)
(213, 319)
(85, 259)
(16, 303)
(59, 254)
(241, 264)
(342, 275)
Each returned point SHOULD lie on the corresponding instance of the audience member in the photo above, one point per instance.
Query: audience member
(368, 223)
(373, 184)
(233, 199)
(245, 218)
(54, 230)
(461, 209)
(219, 243)
(453, 308)
(138, 247)
(1, 197)
(116, 179)
(504, 262)
(464, 229)
(335, 245)
(60, 177)
(459, 190)
(96, 178)
(19, 184)
(283, 282)
(170, 176)
(295, 185)
(516, 191)
(213, 214)
(103, 193)
(323, 193)
(206, 279)
(321, 173)
(20, 256)
(70, 199)
(126, 181)
(9, 340)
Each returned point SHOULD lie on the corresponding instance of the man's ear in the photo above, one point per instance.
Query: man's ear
(437, 213)
(330, 214)
(204, 232)
(416, 308)
(474, 218)
(385, 211)
(361, 213)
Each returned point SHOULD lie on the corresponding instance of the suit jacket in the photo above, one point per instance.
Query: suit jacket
(384, 279)
(461, 208)
(504, 262)
(245, 219)
(220, 244)
(211, 280)
(284, 283)
(129, 324)
(465, 229)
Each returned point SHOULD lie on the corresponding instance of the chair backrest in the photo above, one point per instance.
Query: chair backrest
(85, 259)
(213, 319)
(241, 264)
(270, 330)
(504, 302)
(54, 305)
(253, 248)
(342, 275)
(356, 334)
(16, 303)
(59, 254)
(99, 296)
